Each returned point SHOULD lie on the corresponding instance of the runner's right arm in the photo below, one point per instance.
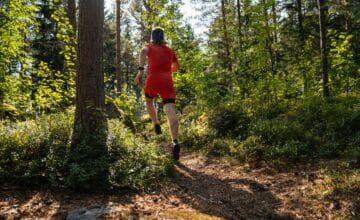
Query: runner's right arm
(142, 61)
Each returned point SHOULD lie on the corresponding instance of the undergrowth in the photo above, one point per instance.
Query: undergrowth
(37, 152)
(279, 133)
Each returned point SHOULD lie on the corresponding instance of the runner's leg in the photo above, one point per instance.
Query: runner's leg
(151, 110)
(169, 109)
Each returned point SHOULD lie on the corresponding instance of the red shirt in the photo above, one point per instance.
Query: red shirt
(159, 79)
(160, 58)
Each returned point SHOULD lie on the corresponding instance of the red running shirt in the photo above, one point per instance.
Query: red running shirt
(159, 79)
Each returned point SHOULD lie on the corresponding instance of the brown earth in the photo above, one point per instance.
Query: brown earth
(201, 188)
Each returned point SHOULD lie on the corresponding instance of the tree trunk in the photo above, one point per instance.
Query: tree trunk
(268, 39)
(238, 7)
(275, 35)
(302, 40)
(323, 44)
(300, 23)
(72, 14)
(226, 39)
(347, 16)
(88, 151)
(119, 80)
(146, 27)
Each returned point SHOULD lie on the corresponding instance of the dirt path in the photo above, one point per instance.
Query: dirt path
(201, 188)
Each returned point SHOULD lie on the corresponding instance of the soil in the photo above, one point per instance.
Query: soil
(201, 188)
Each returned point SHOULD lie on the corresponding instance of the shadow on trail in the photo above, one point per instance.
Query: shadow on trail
(226, 198)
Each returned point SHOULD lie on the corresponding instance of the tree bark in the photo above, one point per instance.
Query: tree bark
(119, 80)
(300, 23)
(146, 27)
(72, 14)
(238, 7)
(323, 44)
(302, 39)
(268, 39)
(226, 38)
(90, 78)
(275, 35)
(88, 149)
(347, 16)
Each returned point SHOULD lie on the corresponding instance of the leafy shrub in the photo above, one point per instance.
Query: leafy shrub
(38, 152)
(229, 121)
(310, 128)
(8, 111)
(194, 132)
(315, 127)
(220, 147)
(133, 164)
(352, 150)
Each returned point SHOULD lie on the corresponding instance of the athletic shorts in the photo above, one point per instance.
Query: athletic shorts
(164, 88)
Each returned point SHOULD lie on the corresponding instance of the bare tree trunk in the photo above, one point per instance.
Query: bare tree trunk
(269, 40)
(300, 22)
(275, 37)
(119, 80)
(146, 29)
(323, 45)
(72, 14)
(238, 6)
(89, 136)
(226, 38)
(302, 40)
(346, 16)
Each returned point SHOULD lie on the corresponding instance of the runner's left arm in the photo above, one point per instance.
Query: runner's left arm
(175, 64)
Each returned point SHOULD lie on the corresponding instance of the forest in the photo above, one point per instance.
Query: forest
(267, 96)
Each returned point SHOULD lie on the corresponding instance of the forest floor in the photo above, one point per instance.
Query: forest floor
(201, 188)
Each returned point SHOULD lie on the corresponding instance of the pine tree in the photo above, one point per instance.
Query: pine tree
(89, 150)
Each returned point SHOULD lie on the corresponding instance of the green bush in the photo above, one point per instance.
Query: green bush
(314, 127)
(307, 129)
(229, 121)
(37, 152)
(220, 147)
(133, 164)
(194, 132)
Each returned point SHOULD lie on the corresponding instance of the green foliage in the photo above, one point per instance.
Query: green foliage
(67, 38)
(135, 165)
(313, 127)
(49, 95)
(8, 111)
(16, 18)
(35, 150)
(229, 121)
(38, 152)
(344, 75)
(196, 133)
(284, 132)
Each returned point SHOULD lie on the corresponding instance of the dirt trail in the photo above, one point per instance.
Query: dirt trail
(201, 188)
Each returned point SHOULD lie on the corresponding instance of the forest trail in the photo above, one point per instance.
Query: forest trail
(201, 188)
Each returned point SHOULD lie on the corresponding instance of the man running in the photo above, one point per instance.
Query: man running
(162, 63)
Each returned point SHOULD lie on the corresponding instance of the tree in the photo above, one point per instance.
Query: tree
(71, 10)
(55, 54)
(118, 47)
(238, 10)
(323, 50)
(226, 39)
(89, 150)
(16, 19)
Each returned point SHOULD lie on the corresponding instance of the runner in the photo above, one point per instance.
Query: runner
(162, 63)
